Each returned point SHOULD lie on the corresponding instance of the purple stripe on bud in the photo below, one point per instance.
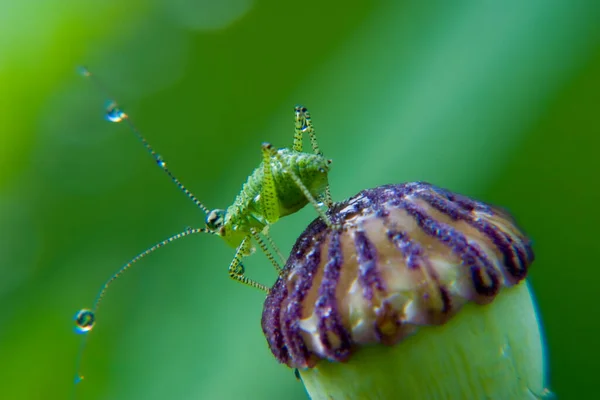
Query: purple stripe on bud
(271, 322)
(515, 257)
(293, 312)
(411, 250)
(330, 322)
(368, 276)
(471, 255)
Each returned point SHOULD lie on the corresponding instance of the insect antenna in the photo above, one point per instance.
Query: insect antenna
(85, 318)
(114, 113)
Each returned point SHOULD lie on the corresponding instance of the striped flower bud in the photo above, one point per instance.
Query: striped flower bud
(418, 293)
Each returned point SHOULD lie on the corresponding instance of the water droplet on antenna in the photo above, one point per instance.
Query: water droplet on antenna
(83, 71)
(547, 394)
(114, 113)
(84, 320)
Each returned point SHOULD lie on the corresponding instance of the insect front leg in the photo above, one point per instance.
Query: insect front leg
(236, 268)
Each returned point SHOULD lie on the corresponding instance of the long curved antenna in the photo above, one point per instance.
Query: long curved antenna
(85, 319)
(115, 114)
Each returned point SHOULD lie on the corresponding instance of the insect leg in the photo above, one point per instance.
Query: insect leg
(268, 193)
(268, 149)
(236, 268)
(265, 233)
(326, 198)
(302, 124)
(265, 249)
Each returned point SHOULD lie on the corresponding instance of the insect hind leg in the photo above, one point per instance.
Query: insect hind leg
(303, 124)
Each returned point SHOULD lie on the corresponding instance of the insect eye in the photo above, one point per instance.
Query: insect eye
(214, 219)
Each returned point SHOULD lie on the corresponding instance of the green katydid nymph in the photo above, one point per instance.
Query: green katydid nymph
(286, 180)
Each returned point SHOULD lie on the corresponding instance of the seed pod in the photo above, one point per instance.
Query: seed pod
(417, 293)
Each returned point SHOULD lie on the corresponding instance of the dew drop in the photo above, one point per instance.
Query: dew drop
(160, 162)
(505, 351)
(114, 113)
(83, 71)
(547, 394)
(78, 379)
(84, 320)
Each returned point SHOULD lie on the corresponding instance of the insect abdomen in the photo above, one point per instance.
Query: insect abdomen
(247, 211)
(310, 168)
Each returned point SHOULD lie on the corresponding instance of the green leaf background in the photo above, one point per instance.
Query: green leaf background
(496, 100)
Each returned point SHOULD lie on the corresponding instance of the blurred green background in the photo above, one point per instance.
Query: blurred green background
(497, 100)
